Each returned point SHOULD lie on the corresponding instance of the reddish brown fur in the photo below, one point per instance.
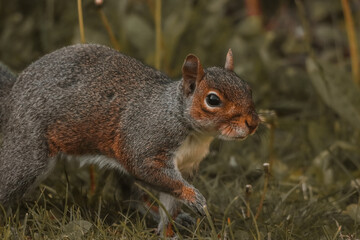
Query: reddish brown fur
(97, 134)
(149, 204)
(159, 162)
(170, 229)
(187, 194)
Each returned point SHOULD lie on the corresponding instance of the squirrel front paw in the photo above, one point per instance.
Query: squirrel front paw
(194, 199)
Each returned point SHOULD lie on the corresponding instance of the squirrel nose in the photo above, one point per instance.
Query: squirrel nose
(252, 122)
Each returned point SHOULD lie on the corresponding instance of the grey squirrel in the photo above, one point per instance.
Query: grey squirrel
(93, 102)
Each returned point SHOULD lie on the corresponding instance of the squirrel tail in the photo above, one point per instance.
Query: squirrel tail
(7, 80)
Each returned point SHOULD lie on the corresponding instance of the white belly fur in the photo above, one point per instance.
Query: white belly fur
(191, 152)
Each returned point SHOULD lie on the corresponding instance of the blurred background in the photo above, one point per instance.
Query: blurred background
(301, 59)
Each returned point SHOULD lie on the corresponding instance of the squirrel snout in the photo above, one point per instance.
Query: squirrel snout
(252, 122)
(240, 128)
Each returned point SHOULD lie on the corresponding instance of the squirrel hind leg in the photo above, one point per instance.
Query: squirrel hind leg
(22, 163)
(180, 218)
(142, 202)
(172, 207)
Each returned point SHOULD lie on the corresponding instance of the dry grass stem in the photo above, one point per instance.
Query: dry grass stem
(248, 193)
(266, 182)
(158, 32)
(105, 22)
(354, 52)
(81, 21)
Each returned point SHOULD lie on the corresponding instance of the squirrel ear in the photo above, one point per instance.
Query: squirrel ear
(192, 73)
(229, 63)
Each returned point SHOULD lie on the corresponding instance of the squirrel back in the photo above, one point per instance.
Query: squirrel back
(7, 80)
(90, 98)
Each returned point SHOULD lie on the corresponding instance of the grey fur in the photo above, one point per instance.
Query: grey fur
(7, 80)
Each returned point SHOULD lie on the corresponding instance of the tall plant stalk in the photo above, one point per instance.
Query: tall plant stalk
(81, 21)
(354, 52)
(158, 41)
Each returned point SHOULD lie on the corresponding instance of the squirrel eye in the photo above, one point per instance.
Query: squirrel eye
(213, 100)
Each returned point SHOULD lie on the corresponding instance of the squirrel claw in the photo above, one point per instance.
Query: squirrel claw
(198, 204)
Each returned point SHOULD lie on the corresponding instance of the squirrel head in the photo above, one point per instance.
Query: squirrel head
(218, 100)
